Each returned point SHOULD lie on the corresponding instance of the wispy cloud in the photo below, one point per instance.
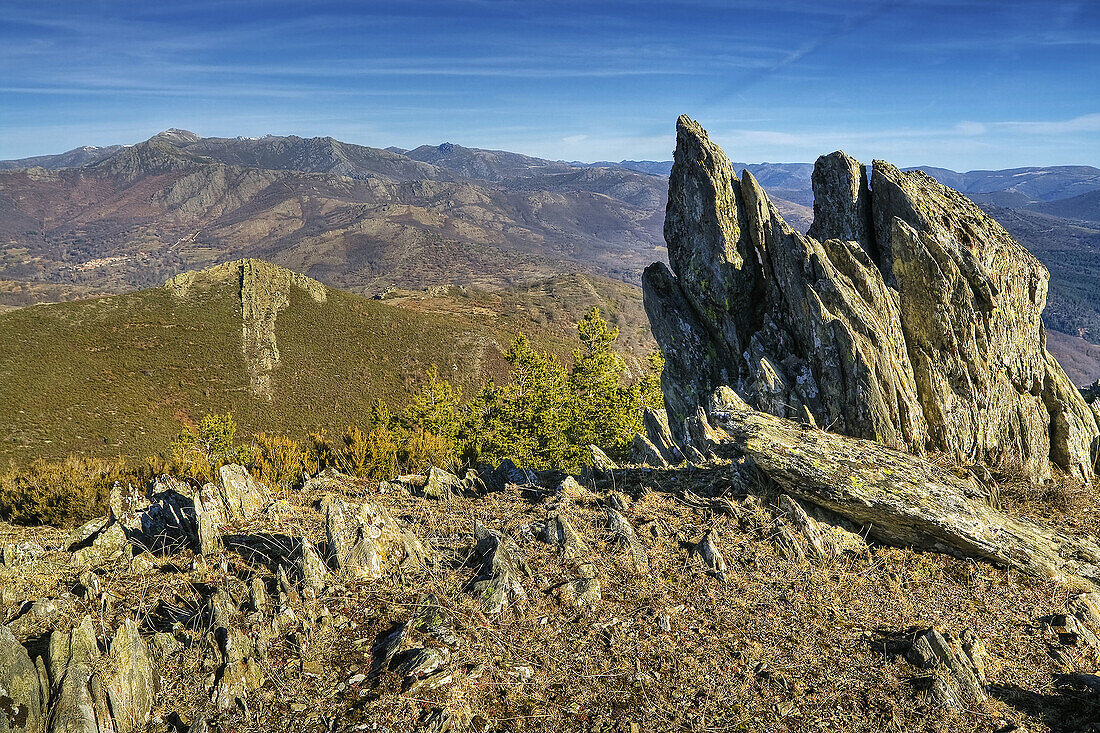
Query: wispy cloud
(957, 82)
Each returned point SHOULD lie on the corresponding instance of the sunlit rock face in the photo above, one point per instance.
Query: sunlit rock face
(905, 315)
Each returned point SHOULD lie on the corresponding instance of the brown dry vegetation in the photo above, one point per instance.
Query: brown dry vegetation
(780, 646)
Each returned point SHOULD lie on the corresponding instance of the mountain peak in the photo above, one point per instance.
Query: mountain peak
(177, 136)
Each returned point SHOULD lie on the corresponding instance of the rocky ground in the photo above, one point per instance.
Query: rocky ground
(640, 599)
(883, 517)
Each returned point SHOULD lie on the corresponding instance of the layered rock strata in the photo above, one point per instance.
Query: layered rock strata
(906, 316)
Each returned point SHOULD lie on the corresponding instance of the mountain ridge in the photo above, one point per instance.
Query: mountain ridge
(367, 219)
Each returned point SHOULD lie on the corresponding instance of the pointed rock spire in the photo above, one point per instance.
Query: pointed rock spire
(907, 316)
(842, 201)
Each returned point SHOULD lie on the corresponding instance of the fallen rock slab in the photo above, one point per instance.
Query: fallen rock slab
(898, 498)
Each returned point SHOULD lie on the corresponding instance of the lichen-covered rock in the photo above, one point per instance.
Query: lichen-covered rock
(808, 535)
(842, 202)
(583, 591)
(239, 673)
(601, 464)
(957, 666)
(659, 434)
(707, 551)
(130, 687)
(16, 554)
(624, 537)
(42, 617)
(126, 504)
(85, 532)
(509, 473)
(559, 531)
(645, 453)
(22, 707)
(365, 541)
(907, 316)
(441, 485)
(109, 544)
(499, 584)
(239, 492)
(170, 521)
(209, 531)
(312, 567)
(79, 702)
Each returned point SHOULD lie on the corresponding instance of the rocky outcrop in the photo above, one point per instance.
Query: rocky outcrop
(659, 434)
(499, 584)
(90, 692)
(264, 291)
(131, 688)
(22, 707)
(364, 542)
(957, 667)
(907, 316)
(898, 498)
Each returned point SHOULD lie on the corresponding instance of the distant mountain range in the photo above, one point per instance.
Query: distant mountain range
(118, 218)
(355, 217)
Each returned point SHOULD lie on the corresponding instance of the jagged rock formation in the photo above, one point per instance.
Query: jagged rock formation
(264, 290)
(907, 317)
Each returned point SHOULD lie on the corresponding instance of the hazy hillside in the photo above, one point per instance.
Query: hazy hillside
(356, 217)
(1085, 207)
(70, 159)
(489, 165)
(314, 155)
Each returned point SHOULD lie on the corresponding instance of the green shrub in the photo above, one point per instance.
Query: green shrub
(526, 420)
(199, 452)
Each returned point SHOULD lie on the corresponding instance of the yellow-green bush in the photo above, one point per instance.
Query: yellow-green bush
(59, 493)
(199, 451)
(276, 460)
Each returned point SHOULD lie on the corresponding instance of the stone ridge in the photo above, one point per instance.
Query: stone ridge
(906, 316)
(264, 290)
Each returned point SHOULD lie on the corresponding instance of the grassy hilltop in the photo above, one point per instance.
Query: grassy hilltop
(116, 376)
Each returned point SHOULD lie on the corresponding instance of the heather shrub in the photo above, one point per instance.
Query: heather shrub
(60, 493)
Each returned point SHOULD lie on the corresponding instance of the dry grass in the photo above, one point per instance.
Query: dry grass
(780, 646)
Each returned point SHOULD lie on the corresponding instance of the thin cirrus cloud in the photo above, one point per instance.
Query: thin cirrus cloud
(956, 83)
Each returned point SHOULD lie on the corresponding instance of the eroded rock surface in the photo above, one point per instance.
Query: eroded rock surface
(264, 291)
(908, 316)
(957, 666)
(900, 499)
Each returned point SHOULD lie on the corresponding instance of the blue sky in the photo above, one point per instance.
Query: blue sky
(960, 84)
